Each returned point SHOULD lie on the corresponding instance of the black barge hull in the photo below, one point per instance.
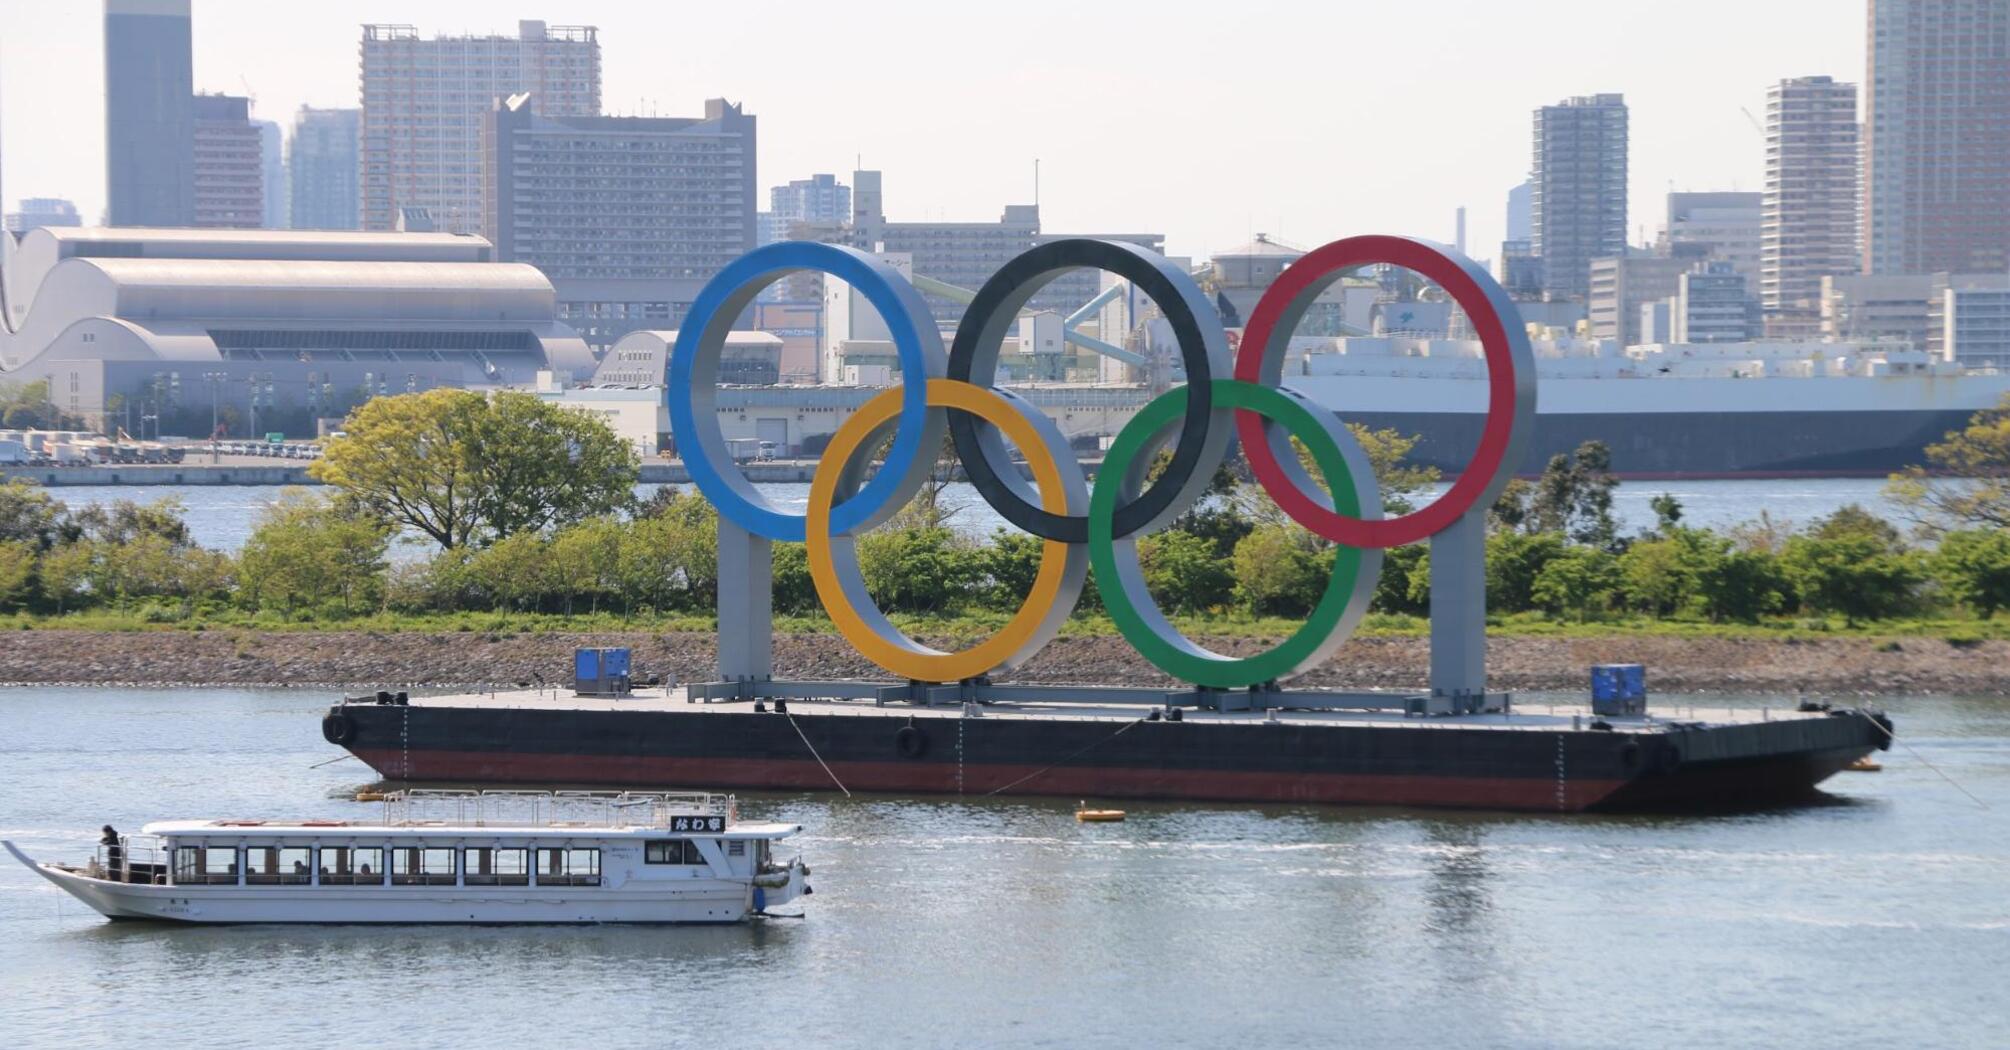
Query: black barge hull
(1421, 762)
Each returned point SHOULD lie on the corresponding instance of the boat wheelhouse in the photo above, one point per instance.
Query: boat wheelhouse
(451, 857)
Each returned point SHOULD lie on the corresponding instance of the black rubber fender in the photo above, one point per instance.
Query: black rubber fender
(1629, 754)
(910, 742)
(1668, 758)
(338, 728)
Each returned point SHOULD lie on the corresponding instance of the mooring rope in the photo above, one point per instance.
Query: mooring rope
(1922, 758)
(1127, 727)
(813, 753)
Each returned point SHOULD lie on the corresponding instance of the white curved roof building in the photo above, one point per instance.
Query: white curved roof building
(306, 323)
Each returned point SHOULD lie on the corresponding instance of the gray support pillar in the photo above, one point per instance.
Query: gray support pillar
(746, 605)
(1459, 607)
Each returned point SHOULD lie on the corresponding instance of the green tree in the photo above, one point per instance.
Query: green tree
(1281, 570)
(310, 552)
(29, 515)
(1974, 566)
(538, 466)
(1184, 572)
(1514, 560)
(466, 469)
(1581, 581)
(586, 563)
(1405, 584)
(514, 573)
(1574, 497)
(1854, 573)
(1965, 482)
(1661, 576)
(918, 570)
(17, 573)
(1743, 585)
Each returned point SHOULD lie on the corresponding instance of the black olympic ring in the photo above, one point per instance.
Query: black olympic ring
(1204, 433)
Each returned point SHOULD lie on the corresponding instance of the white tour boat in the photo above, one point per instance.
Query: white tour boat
(450, 857)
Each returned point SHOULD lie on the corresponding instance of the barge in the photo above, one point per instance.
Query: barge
(1508, 758)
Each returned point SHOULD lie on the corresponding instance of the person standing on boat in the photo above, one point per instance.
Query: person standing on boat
(115, 853)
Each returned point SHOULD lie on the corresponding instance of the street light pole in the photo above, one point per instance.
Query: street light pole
(215, 386)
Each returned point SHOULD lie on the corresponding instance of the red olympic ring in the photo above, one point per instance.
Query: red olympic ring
(1510, 389)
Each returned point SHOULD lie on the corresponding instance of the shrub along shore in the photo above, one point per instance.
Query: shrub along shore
(529, 546)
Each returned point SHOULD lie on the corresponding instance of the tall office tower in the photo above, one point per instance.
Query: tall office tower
(1808, 229)
(272, 165)
(321, 168)
(1937, 137)
(229, 164)
(149, 114)
(424, 103)
(1577, 202)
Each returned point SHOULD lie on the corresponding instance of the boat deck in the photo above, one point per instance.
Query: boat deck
(1542, 717)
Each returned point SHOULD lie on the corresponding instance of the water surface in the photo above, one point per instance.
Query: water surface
(1879, 919)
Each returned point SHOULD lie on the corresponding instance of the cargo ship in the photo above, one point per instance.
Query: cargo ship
(1509, 758)
(1667, 412)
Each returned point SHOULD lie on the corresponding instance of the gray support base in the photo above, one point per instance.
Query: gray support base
(1459, 607)
(746, 605)
(928, 694)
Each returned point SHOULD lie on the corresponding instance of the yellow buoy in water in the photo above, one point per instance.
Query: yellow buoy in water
(1097, 816)
(1866, 764)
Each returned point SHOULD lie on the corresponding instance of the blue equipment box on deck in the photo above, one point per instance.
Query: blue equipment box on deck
(600, 672)
(1618, 689)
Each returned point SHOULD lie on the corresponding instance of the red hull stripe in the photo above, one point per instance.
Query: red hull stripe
(1523, 793)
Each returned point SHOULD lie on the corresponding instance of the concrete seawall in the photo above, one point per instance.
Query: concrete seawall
(672, 472)
(275, 474)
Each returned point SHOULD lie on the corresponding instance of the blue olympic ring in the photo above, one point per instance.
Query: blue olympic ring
(694, 365)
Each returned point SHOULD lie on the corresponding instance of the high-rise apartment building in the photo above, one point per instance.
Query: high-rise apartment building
(1520, 213)
(628, 216)
(272, 167)
(229, 164)
(817, 199)
(321, 169)
(1620, 285)
(1937, 136)
(37, 212)
(1809, 227)
(1720, 225)
(424, 103)
(1712, 305)
(1578, 190)
(149, 114)
(641, 197)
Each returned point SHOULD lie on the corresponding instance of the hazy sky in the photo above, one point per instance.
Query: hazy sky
(1206, 122)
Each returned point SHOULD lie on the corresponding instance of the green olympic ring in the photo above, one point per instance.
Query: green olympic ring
(1120, 577)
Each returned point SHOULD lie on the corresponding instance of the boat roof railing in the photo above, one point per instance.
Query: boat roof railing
(419, 807)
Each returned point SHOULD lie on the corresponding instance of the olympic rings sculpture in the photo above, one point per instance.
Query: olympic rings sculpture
(1224, 398)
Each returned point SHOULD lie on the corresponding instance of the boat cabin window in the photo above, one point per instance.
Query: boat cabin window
(568, 867)
(736, 848)
(352, 865)
(672, 851)
(213, 865)
(422, 866)
(266, 865)
(497, 867)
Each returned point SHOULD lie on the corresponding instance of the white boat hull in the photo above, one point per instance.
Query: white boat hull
(698, 901)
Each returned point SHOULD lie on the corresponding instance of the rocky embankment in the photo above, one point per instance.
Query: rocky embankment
(402, 659)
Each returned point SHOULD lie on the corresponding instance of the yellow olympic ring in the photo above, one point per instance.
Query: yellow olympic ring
(860, 622)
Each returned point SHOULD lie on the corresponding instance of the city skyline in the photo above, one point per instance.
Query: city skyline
(1095, 122)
